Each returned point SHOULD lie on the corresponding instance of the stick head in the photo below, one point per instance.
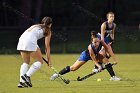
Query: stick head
(78, 78)
(67, 81)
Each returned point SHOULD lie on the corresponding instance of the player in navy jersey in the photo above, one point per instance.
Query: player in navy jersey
(92, 53)
(107, 34)
(108, 29)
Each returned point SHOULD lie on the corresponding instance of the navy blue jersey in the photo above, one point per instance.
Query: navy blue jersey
(85, 56)
(106, 40)
(96, 51)
(108, 29)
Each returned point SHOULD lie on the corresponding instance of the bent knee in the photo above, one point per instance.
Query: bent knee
(40, 60)
(105, 60)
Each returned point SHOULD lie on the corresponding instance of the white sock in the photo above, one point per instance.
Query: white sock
(34, 67)
(23, 70)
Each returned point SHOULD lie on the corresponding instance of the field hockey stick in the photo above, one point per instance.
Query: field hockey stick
(89, 75)
(60, 76)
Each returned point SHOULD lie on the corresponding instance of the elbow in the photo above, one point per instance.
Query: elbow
(47, 49)
(102, 40)
(47, 46)
(91, 55)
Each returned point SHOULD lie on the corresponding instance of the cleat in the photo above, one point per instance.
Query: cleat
(22, 85)
(114, 78)
(27, 80)
(54, 76)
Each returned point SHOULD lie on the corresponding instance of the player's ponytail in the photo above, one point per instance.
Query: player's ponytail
(93, 35)
(46, 21)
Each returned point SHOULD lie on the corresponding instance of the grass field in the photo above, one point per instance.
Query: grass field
(128, 69)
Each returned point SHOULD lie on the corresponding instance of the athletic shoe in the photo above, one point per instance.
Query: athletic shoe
(114, 78)
(27, 80)
(22, 85)
(54, 76)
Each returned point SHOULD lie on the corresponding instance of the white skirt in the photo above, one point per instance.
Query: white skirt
(28, 43)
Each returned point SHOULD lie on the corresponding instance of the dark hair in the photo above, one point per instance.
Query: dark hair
(93, 34)
(48, 30)
(109, 13)
(46, 20)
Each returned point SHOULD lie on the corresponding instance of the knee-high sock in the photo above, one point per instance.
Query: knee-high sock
(23, 70)
(110, 69)
(65, 70)
(34, 67)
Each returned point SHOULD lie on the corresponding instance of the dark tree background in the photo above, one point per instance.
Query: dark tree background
(72, 22)
(65, 13)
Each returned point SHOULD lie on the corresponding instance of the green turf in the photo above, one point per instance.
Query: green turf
(128, 69)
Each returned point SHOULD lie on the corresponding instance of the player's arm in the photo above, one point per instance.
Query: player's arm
(109, 50)
(47, 47)
(92, 55)
(113, 32)
(103, 27)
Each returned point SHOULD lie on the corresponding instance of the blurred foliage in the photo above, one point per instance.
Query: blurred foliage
(72, 20)
(66, 13)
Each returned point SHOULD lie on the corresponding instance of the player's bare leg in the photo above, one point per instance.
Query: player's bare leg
(37, 55)
(108, 68)
(67, 69)
(24, 67)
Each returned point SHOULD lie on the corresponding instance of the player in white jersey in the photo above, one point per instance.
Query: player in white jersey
(28, 47)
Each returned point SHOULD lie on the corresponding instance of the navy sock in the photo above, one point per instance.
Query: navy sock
(110, 69)
(65, 70)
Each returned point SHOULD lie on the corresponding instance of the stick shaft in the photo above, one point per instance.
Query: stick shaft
(89, 75)
(64, 80)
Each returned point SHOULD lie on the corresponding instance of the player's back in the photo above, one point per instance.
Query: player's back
(34, 32)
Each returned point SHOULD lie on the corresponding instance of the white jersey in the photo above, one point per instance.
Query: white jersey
(28, 40)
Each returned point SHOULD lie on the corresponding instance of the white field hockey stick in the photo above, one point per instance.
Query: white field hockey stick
(60, 76)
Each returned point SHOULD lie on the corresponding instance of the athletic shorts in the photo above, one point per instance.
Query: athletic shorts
(84, 56)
